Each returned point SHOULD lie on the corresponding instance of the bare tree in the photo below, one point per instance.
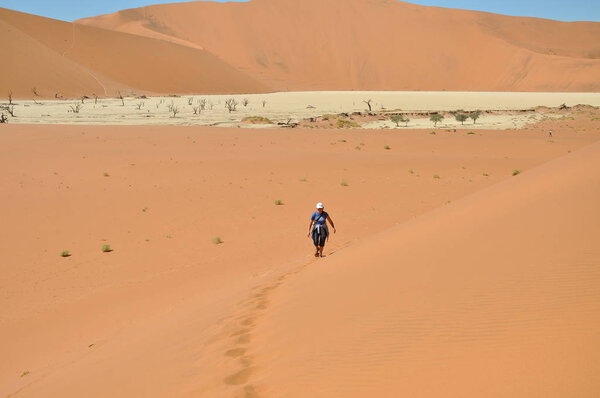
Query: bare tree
(231, 104)
(264, 102)
(174, 111)
(368, 102)
(35, 92)
(202, 103)
(190, 101)
(11, 110)
(3, 118)
(76, 108)
(245, 102)
(195, 109)
(95, 99)
(10, 97)
(121, 98)
(140, 105)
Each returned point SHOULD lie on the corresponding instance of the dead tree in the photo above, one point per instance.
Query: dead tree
(3, 118)
(202, 103)
(174, 111)
(368, 102)
(264, 103)
(122, 100)
(140, 105)
(35, 92)
(245, 102)
(95, 99)
(76, 108)
(195, 109)
(11, 110)
(10, 98)
(231, 104)
(190, 101)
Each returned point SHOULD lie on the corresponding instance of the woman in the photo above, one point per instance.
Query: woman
(318, 228)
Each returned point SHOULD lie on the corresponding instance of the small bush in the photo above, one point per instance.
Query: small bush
(217, 240)
(461, 117)
(437, 177)
(411, 171)
(106, 249)
(257, 120)
(486, 175)
(470, 133)
(344, 183)
(278, 202)
(436, 118)
(387, 147)
(516, 172)
(345, 124)
(65, 253)
(106, 174)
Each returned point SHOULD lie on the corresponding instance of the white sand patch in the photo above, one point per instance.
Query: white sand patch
(294, 106)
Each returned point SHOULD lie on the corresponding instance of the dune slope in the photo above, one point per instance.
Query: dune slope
(377, 44)
(71, 60)
(496, 295)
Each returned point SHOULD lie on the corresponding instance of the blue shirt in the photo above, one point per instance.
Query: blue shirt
(319, 219)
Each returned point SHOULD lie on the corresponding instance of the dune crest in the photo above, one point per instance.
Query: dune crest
(496, 295)
(71, 60)
(377, 44)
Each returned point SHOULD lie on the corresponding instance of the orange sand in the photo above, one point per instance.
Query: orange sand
(159, 316)
(377, 45)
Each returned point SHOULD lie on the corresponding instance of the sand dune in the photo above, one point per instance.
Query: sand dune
(150, 319)
(377, 45)
(73, 60)
(496, 295)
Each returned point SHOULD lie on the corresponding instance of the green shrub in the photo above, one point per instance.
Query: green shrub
(344, 183)
(345, 124)
(516, 172)
(278, 202)
(387, 147)
(65, 253)
(257, 120)
(217, 240)
(106, 249)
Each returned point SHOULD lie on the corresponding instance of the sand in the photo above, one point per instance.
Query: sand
(160, 314)
(317, 45)
(296, 106)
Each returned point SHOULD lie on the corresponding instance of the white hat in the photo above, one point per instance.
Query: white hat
(320, 205)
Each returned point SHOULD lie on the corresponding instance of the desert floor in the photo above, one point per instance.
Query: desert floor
(170, 313)
(297, 106)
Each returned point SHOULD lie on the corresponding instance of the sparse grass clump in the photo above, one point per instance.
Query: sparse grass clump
(106, 249)
(470, 133)
(217, 240)
(346, 124)
(105, 174)
(387, 147)
(486, 175)
(516, 172)
(278, 202)
(437, 177)
(344, 183)
(65, 253)
(411, 171)
(257, 120)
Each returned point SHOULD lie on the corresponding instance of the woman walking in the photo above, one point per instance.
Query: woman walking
(318, 228)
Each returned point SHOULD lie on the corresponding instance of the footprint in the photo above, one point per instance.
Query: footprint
(239, 378)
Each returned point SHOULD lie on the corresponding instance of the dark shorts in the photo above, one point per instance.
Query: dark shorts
(319, 236)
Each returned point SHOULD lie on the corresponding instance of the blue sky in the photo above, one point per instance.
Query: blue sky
(564, 10)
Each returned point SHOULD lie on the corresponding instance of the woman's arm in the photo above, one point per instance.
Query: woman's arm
(310, 227)
(331, 222)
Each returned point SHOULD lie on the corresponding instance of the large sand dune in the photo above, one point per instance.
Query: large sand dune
(72, 60)
(161, 315)
(377, 44)
(497, 295)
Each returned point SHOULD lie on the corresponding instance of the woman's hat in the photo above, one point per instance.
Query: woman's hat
(320, 205)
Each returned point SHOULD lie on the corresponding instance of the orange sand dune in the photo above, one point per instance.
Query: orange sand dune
(152, 317)
(73, 60)
(496, 295)
(377, 44)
